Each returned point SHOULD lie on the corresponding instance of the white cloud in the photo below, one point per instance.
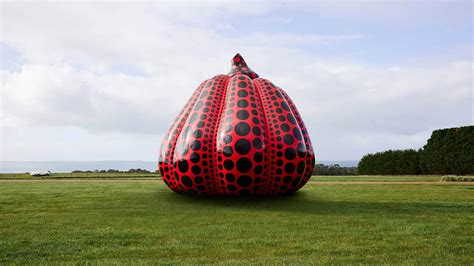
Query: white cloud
(69, 84)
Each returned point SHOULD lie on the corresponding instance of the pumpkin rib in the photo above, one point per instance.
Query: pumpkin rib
(203, 119)
(285, 141)
(308, 145)
(266, 168)
(215, 184)
(272, 150)
(171, 138)
(239, 138)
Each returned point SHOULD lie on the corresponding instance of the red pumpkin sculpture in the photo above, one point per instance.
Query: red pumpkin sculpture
(238, 135)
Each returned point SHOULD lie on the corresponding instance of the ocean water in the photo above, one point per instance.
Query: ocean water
(69, 166)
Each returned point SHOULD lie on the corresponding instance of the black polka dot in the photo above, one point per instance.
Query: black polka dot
(287, 179)
(256, 131)
(231, 187)
(242, 129)
(196, 169)
(258, 169)
(198, 105)
(297, 133)
(227, 150)
(228, 139)
(296, 181)
(228, 128)
(230, 177)
(289, 168)
(198, 180)
(258, 157)
(176, 176)
(278, 93)
(301, 150)
(257, 143)
(242, 114)
(244, 180)
(290, 153)
(300, 167)
(288, 139)
(244, 165)
(183, 166)
(194, 157)
(242, 146)
(242, 103)
(285, 106)
(187, 181)
(229, 164)
(242, 93)
(195, 145)
(193, 118)
(197, 133)
(285, 127)
(291, 118)
(242, 84)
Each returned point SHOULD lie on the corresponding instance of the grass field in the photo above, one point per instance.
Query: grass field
(399, 178)
(77, 175)
(141, 221)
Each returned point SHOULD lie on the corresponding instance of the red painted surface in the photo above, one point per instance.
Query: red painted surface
(238, 135)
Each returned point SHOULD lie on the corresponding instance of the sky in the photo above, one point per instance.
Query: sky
(104, 81)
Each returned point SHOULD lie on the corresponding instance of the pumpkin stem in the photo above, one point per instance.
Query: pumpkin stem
(239, 67)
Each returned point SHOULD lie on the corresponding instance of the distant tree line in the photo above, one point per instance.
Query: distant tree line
(391, 162)
(134, 171)
(335, 169)
(448, 151)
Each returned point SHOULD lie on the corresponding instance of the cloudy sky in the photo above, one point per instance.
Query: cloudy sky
(84, 81)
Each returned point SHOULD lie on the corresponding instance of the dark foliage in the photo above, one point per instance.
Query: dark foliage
(391, 162)
(134, 171)
(449, 151)
(321, 169)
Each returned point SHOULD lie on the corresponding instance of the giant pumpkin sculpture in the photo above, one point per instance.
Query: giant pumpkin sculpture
(238, 135)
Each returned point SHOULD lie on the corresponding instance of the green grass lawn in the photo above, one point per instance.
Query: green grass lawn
(316, 178)
(141, 221)
(77, 175)
(383, 178)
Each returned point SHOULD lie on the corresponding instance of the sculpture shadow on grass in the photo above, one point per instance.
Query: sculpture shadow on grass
(307, 202)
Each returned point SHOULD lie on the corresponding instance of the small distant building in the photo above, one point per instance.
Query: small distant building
(40, 173)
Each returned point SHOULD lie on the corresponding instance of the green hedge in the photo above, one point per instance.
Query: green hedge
(449, 151)
(391, 162)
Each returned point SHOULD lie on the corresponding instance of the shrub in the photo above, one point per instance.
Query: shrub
(391, 162)
(449, 151)
(457, 178)
(322, 169)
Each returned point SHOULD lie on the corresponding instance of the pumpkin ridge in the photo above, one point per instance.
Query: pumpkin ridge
(215, 182)
(310, 162)
(202, 119)
(295, 113)
(171, 139)
(266, 167)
